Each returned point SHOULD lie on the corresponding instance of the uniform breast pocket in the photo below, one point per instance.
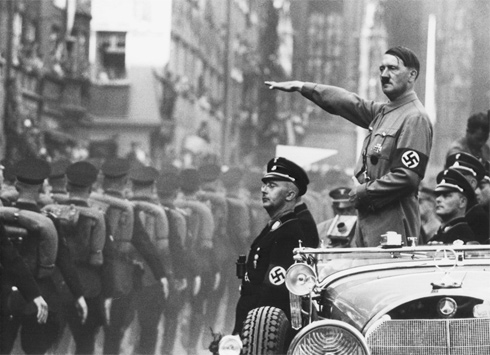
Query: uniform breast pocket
(382, 145)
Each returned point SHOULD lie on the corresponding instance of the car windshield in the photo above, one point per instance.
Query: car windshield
(330, 260)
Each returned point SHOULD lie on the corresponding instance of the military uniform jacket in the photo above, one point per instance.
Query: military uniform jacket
(456, 229)
(65, 265)
(131, 243)
(310, 231)
(271, 254)
(200, 233)
(155, 222)
(393, 161)
(177, 234)
(478, 220)
(14, 272)
(86, 239)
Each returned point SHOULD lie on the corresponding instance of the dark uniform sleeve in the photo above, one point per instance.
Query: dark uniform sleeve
(65, 264)
(177, 231)
(14, 268)
(145, 247)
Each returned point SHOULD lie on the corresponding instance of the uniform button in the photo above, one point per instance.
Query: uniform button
(370, 128)
(384, 134)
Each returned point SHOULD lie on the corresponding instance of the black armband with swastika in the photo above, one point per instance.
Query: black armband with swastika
(410, 159)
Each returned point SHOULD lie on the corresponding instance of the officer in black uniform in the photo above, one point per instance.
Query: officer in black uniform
(37, 338)
(453, 193)
(474, 171)
(57, 180)
(271, 253)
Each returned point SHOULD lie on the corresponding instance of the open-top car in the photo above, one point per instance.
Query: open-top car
(384, 300)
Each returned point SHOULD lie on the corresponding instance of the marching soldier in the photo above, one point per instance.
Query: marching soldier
(131, 246)
(200, 224)
(181, 249)
(149, 297)
(84, 230)
(211, 192)
(37, 338)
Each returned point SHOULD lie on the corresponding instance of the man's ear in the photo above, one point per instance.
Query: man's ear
(291, 195)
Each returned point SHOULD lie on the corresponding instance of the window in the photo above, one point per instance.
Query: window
(111, 55)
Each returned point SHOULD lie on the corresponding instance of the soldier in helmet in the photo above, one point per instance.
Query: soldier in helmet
(37, 338)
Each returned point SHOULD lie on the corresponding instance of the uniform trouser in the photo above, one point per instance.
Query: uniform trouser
(84, 334)
(121, 315)
(35, 338)
(149, 302)
(172, 308)
(197, 304)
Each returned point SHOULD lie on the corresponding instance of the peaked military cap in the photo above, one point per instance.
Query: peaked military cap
(340, 195)
(115, 168)
(283, 169)
(190, 180)
(452, 180)
(82, 174)
(232, 176)
(168, 182)
(58, 168)
(144, 175)
(466, 163)
(209, 172)
(31, 171)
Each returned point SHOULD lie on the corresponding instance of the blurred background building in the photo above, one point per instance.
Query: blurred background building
(182, 80)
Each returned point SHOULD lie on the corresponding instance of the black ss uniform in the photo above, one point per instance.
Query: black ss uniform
(270, 256)
(456, 229)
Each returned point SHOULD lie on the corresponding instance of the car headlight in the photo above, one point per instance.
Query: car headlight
(300, 279)
(482, 310)
(230, 345)
(329, 337)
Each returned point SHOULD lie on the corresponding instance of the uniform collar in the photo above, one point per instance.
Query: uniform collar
(452, 223)
(400, 101)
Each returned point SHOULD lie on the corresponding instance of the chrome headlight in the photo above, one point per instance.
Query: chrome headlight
(329, 337)
(300, 279)
(230, 345)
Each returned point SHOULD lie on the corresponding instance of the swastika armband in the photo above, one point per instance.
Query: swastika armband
(410, 159)
(276, 276)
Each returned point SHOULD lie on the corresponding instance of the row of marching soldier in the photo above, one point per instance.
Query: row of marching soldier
(100, 253)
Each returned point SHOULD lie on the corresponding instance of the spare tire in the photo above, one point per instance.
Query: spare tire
(265, 332)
